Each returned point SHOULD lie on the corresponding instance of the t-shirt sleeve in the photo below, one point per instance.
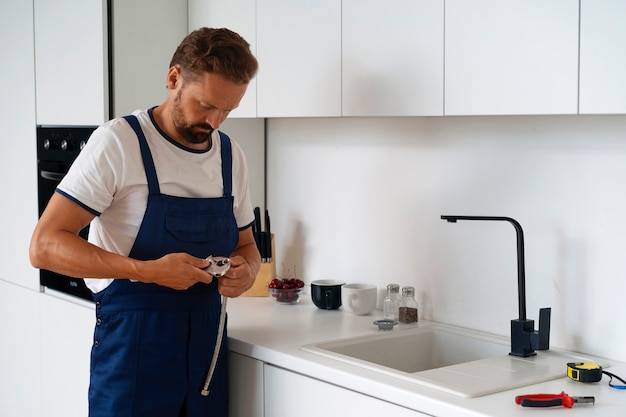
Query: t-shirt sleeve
(93, 178)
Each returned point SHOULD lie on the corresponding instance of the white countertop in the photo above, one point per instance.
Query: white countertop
(273, 333)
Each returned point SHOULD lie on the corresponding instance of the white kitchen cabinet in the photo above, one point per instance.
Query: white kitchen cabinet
(288, 394)
(66, 339)
(71, 62)
(73, 51)
(392, 58)
(299, 50)
(511, 57)
(602, 57)
(20, 363)
(236, 15)
(245, 386)
(18, 152)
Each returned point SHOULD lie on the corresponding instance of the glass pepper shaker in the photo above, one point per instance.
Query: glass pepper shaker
(407, 311)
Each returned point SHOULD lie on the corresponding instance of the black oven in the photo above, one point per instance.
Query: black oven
(57, 148)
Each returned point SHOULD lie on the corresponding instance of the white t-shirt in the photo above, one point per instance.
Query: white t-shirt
(108, 179)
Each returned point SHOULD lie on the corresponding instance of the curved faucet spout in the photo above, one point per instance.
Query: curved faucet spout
(524, 338)
(521, 269)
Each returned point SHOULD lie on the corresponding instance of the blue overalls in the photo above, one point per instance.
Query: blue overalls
(153, 345)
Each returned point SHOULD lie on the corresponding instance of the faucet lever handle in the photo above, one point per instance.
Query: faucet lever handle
(525, 339)
(541, 339)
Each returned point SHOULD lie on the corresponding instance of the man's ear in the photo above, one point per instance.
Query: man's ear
(174, 77)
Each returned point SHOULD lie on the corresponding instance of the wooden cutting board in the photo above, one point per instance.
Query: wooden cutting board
(266, 274)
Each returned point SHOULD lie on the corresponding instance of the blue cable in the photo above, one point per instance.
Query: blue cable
(611, 380)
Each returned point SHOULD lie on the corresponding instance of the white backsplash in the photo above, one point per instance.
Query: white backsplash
(360, 199)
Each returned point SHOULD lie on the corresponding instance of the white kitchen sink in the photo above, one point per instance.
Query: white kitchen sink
(459, 361)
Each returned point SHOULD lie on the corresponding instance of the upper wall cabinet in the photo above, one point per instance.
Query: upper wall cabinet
(236, 15)
(299, 49)
(392, 58)
(72, 57)
(602, 57)
(71, 62)
(511, 57)
(331, 58)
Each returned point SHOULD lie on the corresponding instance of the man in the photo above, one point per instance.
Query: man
(162, 190)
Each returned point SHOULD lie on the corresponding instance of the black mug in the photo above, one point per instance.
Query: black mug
(326, 293)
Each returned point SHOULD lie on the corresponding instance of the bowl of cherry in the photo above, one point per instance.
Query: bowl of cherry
(286, 290)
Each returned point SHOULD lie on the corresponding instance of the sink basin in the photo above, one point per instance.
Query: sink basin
(455, 360)
(415, 350)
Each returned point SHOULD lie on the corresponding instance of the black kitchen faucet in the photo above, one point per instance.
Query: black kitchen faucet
(524, 339)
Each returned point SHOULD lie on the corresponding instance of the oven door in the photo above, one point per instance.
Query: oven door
(52, 165)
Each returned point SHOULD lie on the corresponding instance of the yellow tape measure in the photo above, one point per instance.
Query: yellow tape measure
(584, 371)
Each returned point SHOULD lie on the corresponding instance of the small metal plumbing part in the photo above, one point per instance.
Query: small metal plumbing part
(218, 265)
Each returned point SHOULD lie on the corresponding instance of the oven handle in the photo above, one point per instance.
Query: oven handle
(54, 176)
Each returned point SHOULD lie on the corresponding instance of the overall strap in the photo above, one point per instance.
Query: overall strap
(227, 164)
(146, 155)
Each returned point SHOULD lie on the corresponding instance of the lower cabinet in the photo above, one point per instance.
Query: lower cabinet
(288, 394)
(259, 389)
(45, 348)
(66, 339)
(20, 360)
(245, 386)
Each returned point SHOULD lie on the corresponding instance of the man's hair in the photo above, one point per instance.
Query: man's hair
(219, 51)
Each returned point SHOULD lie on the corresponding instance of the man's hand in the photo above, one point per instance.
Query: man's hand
(178, 271)
(238, 279)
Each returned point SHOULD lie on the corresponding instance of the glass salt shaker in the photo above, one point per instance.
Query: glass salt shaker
(392, 302)
(407, 311)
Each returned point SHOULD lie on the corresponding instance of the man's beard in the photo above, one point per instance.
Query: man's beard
(197, 133)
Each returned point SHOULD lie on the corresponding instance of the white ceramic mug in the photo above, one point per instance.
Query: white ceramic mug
(359, 299)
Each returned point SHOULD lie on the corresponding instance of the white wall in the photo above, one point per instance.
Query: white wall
(361, 199)
(250, 135)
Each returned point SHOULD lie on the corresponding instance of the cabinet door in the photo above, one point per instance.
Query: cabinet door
(602, 57)
(236, 15)
(299, 51)
(288, 394)
(245, 386)
(392, 58)
(18, 152)
(66, 339)
(20, 366)
(71, 62)
(511, 57)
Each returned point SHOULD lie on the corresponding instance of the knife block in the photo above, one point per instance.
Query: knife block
(263, 278)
